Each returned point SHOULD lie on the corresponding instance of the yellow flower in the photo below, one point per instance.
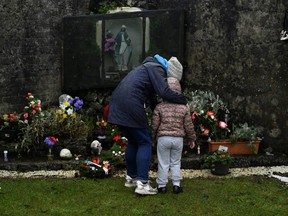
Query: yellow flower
(67, 104)
(65, 115)
(60, 111)
(5, 117)
(73, 115)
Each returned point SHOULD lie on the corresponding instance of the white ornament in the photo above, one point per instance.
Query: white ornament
(65, 153)
(96, 145)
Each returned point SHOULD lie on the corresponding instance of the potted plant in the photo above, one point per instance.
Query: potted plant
(218, 161)
(242, 141)
(212, 120)
(209, 116)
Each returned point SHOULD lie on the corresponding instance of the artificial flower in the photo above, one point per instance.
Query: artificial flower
(50, 141)
(117, 138)
(222, 124)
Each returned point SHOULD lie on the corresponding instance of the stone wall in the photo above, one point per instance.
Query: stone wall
(31, 47)
(232, 48)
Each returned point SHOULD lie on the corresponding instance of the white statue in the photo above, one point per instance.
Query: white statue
(96, 146)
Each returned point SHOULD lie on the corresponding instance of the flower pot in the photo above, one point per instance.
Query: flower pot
(220, 169)
(237, 148)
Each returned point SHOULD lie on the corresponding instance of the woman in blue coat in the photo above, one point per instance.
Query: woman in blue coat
(134, 93)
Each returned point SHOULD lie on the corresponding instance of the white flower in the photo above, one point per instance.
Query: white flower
(69, 111)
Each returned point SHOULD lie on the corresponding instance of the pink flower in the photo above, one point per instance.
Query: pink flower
(222, 124)
(210, 113)
(206, 132)
(25, 115)
(34, 111)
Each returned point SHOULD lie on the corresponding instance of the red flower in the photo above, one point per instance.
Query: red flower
(96, 161)
(53, 139)
(116, 138)
(102, 123)
(194, 114)
(210, 113)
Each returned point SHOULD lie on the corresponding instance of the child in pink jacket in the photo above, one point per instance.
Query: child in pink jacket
(170, 124)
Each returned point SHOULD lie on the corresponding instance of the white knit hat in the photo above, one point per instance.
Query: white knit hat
(175, 68)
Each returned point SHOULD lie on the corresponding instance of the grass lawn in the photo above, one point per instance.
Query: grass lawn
(210, 196)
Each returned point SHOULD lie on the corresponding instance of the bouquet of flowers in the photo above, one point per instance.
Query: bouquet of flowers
(33, 108)
(68, 107)
(9, 120)
(94, 168)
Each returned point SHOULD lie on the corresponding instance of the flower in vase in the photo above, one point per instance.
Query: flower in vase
(50, 141)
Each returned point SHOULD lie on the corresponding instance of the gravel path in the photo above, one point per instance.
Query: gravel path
(235, 172)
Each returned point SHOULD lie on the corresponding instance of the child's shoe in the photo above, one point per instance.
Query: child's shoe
(177, 189)
(161, 189)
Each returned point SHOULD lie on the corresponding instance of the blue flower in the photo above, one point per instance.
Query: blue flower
(77, 103)
(50, 141)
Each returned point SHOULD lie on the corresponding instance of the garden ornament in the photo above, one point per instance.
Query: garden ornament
(96, 146)
(65, 153)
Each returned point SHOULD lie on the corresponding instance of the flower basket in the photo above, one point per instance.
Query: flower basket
(236, 148)
(95, 168)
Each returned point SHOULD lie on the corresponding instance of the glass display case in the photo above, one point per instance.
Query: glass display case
(99, 50)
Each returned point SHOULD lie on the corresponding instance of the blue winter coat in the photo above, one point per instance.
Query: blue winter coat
(139, 89)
